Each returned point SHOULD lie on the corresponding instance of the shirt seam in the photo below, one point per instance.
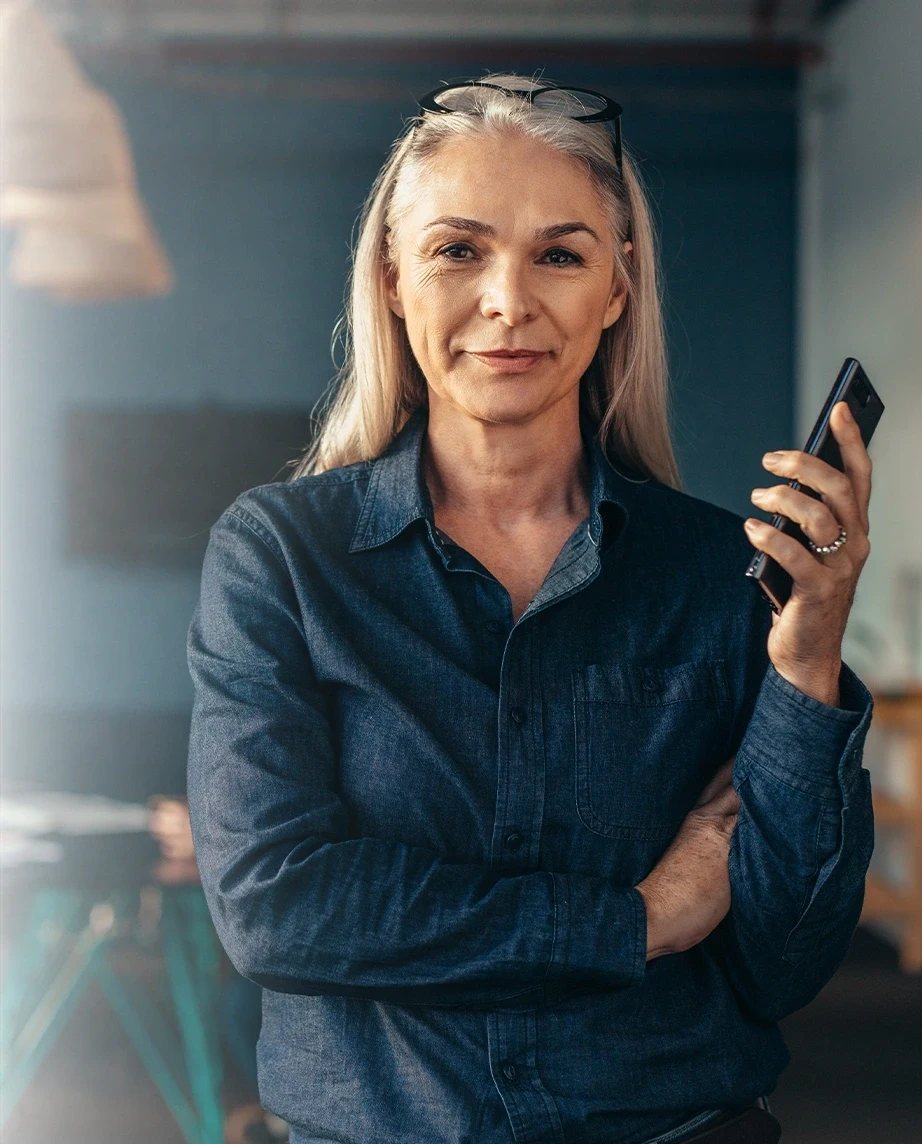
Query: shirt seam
(550, 961)
(639, 968)
(333, 476)
(259, 531)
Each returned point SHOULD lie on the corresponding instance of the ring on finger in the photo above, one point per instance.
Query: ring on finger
(828, 549)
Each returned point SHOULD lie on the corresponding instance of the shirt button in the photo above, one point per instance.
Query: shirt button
(650, 682)
(514, 840)
(494, 626)
(517, 714)
(509, 1072)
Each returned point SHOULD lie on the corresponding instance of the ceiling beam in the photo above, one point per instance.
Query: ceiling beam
(290, 51)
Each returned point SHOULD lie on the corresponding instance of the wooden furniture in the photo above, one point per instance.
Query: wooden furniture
(893, 755)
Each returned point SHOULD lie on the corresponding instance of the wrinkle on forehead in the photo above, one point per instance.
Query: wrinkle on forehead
(439, 170)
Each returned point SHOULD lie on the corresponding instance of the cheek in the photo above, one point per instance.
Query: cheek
(436, 311)
(578, 317)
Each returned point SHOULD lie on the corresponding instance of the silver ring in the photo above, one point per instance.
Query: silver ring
(827, 549)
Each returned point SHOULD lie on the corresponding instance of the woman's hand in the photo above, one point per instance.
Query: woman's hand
(687, 893)
(805, 642)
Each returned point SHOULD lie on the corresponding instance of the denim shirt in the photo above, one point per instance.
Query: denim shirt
(419, 825)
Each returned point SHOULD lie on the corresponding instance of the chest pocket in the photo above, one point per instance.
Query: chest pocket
(648, 739)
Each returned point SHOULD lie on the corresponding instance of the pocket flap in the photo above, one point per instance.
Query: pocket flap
(650, 686)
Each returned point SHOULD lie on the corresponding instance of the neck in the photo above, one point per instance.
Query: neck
(509, 474)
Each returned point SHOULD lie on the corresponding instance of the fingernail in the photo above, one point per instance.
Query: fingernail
(771, 456)
(750, 524)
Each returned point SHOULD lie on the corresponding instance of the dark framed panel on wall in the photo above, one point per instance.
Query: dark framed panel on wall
(144, 486)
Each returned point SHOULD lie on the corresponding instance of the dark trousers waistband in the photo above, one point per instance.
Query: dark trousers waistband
(743, 1126)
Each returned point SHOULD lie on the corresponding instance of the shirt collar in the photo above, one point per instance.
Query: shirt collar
(397, 494)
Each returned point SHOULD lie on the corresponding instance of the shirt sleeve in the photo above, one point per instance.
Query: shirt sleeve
(300, 904)
(802, 844)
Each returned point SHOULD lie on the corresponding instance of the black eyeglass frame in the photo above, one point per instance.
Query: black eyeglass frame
(610, 113)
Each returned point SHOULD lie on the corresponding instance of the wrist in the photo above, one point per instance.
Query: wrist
(656, 942)
(820, 683)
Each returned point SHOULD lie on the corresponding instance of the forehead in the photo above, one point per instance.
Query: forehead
(502, 180)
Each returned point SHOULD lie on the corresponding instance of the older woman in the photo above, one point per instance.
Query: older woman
(469, 686)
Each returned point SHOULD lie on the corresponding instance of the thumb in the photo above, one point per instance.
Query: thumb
(724, 804)
(719, 782)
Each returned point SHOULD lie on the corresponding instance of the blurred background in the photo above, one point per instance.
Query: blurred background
(180, 181)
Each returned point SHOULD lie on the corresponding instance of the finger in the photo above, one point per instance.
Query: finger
(724, 804)
(855, 457)
(808, 573)
(832, 484)
(814, 517)
(720, 780)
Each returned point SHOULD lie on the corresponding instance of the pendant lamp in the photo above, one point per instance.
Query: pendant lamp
(67, 180)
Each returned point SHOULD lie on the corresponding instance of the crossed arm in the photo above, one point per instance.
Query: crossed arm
(301, 906)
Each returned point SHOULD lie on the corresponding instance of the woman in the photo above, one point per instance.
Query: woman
(469, 686)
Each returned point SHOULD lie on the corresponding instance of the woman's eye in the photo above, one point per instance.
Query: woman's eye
(560, 257)
(456, 252)
(463, 252)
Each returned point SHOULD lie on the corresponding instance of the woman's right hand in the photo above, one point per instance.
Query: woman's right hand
(687, 893)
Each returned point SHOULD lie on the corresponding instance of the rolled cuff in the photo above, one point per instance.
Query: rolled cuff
(805, 743)
(600, 931)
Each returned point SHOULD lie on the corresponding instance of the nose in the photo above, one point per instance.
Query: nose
(507, 293)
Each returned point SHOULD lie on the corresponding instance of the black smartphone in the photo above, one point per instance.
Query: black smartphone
(852, 385)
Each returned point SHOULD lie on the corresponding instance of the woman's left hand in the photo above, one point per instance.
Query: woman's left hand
(805, 642)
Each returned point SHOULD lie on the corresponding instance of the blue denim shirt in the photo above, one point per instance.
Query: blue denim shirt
(419, 825)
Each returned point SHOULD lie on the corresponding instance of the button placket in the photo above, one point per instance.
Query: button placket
(520, 759)
(512, 1047)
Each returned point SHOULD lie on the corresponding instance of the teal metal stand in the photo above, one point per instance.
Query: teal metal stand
(65, 945)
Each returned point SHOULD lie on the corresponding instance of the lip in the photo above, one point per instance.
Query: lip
(510, 361)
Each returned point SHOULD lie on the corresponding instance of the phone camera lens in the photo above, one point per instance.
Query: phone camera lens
(862, 393)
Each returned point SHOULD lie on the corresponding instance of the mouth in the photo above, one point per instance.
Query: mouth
(509, 361)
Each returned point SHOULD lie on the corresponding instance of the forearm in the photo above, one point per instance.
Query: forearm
(801, 847)
(303, 906)
(366, 917)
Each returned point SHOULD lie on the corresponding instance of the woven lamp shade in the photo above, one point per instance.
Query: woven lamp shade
(67, 180)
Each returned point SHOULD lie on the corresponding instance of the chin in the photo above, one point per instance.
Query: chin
(503, 412)
(503, 404)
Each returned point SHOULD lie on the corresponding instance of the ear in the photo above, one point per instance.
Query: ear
(392, 289)
(618, 299)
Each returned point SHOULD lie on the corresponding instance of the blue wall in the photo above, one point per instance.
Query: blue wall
(255, 198)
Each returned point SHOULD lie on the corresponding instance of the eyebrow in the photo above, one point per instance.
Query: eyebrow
(544, 234)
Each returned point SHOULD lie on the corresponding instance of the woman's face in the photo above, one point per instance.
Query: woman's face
(506, 247)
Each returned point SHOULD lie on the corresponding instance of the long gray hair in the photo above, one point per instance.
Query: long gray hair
(624, 391)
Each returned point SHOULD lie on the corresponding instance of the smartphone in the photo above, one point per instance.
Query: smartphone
(852, 385)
